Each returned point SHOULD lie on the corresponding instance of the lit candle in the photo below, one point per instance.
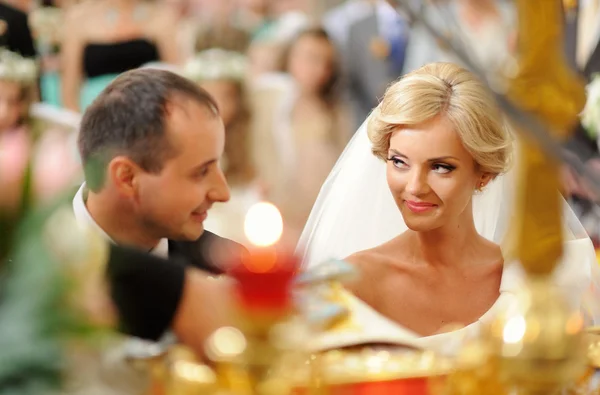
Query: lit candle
(263, 293)
(265, 273)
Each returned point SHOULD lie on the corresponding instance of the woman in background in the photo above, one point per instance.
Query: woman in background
(37, 155)
(287, 20)
(251, 15)
(47, 25)
(215, 27)
(103, 38)
(300, 126)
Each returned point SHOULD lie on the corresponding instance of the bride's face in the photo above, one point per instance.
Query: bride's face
(431, 175)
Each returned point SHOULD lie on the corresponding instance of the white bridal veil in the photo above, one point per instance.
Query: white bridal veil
(355, 211)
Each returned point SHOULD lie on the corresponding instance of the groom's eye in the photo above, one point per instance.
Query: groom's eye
(200, 173)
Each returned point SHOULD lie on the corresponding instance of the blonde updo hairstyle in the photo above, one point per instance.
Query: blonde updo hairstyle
(447, 90)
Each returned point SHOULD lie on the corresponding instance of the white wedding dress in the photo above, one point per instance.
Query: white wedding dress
(355, 211)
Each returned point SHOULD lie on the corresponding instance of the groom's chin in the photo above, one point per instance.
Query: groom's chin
(191, 232)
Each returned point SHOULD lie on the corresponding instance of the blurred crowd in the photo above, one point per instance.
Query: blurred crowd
(293, 80)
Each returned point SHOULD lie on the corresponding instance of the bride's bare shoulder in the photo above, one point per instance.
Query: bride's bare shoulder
(368, 257)
(388, 252)
(378, 259)
(373, 264)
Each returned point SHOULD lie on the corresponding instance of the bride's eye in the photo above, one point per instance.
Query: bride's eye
(442, 168)
(397, 162)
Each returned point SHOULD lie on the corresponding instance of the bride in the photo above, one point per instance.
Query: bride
(428, 246)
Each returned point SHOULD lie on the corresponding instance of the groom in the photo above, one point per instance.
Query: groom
(150, 145)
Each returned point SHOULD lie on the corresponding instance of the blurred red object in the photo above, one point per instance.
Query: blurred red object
(264, 279)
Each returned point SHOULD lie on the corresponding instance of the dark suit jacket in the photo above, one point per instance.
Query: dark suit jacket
(146, 290)
(209, 253)
(16, 35)
(581, 143)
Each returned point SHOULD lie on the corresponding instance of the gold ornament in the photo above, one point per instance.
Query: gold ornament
(475, 372)
(380, 369)
(539, 345)
(545, 86)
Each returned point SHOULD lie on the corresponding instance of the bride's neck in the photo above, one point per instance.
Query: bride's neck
(448, 245)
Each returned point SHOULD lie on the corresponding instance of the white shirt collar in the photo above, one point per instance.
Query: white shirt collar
(83, 218)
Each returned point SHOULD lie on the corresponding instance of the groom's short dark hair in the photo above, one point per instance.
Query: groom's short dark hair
(129, 118)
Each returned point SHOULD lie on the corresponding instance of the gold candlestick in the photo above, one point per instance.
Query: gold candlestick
(546, 87)
(539, 345)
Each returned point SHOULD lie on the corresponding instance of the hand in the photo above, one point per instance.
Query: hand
(572, 184)
(575, 185)
(593, 166)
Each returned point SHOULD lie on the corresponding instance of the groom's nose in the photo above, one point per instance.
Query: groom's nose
(219, 190)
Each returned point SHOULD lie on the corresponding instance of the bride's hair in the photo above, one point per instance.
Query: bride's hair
(448, 90)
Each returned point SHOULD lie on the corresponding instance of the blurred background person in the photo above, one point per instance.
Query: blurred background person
(582, 36)
(37, 152)
(300, 126)
(485, 28)
(582, 39)
(15, 32)
(216, 27)
(290, 15)
(374, 55)
(286, 19)
(251, 15)
(104, 38)
(47, 25)
(337, 20)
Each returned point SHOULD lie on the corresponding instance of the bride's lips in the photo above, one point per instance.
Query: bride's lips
(419, 207)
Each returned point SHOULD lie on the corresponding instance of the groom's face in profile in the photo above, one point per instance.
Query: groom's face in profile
(174, 201)
(151, 144)
(431, 175)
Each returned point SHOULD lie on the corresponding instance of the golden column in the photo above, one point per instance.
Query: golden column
(538, 347)
(547, 88)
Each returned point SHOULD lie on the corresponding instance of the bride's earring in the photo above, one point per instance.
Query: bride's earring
(481, 186)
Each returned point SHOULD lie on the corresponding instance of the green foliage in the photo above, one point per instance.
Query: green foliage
(34, 320)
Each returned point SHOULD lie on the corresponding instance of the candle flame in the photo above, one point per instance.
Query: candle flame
(263, 224)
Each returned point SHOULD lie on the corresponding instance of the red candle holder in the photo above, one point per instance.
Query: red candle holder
(264, 279)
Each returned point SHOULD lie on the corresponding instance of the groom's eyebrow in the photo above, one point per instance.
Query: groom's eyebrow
(438, 159)
(203, 165)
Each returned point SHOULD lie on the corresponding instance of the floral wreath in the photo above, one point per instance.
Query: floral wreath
(14, 67)
(216, 64)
